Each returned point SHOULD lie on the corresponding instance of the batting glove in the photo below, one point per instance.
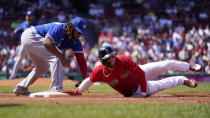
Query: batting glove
(70, 92)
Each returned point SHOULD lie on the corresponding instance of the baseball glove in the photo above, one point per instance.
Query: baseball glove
(78, 83)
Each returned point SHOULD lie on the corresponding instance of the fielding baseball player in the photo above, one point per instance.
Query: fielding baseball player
(44, 43)
(21, 54)
(130, 79)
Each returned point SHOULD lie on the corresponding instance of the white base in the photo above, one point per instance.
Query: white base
(47, 94)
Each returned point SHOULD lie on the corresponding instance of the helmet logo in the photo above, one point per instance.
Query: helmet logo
(84, 26)
(107, 51)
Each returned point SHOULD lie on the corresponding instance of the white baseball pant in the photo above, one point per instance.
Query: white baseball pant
(153, 70)
(21, 55)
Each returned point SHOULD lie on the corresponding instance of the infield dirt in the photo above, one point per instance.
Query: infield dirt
(98, 98)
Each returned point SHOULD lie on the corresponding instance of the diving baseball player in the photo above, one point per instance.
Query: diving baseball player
(21, 53)
(44, 43)
(132, 80)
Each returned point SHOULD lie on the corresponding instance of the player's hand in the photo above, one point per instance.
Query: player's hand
(70, 92)
(65, 63)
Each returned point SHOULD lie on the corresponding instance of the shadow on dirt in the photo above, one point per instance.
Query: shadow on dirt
(10, 105)
(191, 95)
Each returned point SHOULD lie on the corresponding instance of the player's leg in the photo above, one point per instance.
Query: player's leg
(32, 42)
(21, 55)
(39, 56)
(159, 85)
(42, 66)
(56, 69)
(152, 70)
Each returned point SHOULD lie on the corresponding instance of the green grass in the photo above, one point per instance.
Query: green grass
(94, 88)
(202, 87)
(104, 88)
(105, 111)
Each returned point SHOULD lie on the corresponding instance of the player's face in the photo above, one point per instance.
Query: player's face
(111, 60)
(29, 19)
(77, 35)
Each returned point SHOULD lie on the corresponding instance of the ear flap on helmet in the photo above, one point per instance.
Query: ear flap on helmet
(104, 53)
(105, 62)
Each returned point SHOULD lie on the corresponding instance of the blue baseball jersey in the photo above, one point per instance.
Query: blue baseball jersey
(24, 25)
(56, 32)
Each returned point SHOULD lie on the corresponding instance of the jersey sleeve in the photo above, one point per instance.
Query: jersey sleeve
(82, 64)
(96, 75)
(56, 33)
(20, 28)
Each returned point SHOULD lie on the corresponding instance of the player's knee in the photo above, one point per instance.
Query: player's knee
(42, 70)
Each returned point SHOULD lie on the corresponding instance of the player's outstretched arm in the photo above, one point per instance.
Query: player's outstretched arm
(82, 87)
(85, 85)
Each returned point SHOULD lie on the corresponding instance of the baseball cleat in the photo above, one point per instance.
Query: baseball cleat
(190, 83)
(19, 90)
(22, 93)
(195, 67)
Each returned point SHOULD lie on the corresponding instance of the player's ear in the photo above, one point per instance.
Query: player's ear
(69, 29)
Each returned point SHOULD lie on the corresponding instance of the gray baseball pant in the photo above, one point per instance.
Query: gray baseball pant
(43, 61)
